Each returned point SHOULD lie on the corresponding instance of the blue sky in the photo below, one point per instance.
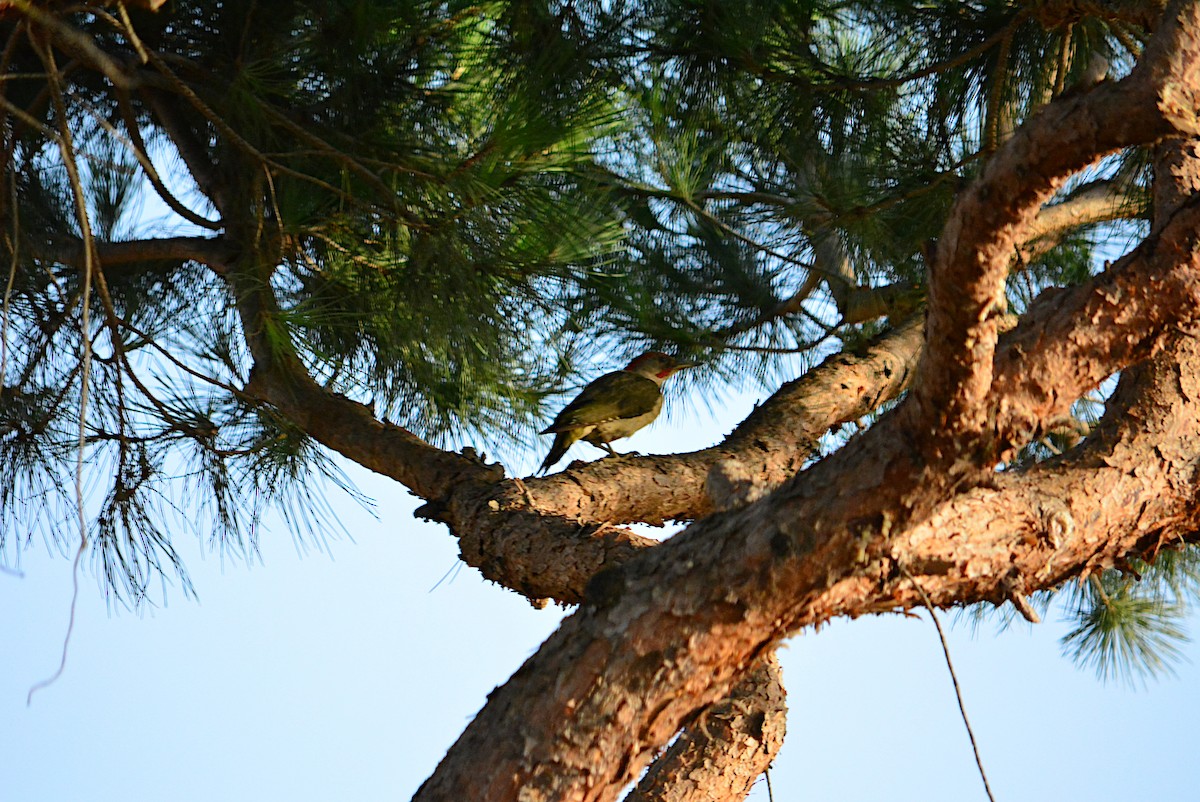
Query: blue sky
(322, 678)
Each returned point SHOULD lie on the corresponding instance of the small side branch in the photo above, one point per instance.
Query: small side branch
(213, 252)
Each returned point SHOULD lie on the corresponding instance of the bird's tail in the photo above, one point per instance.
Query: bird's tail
(562, 441)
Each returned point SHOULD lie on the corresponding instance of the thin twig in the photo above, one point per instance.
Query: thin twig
(10, 46)
(1122, 35)
(27, 118)
(67, 150)
(166, 354)
(953, 678)
(275, 204)
(804, 347)
(786, 307)
(951, 173)
(72, 38)
(329, 150)
(132, 34)
(1064, 61)
(62, 663)
(771, 252)
(240, 142)
(114, 322)
(12, 275)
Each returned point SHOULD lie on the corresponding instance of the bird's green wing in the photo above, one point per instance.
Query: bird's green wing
(612, 396)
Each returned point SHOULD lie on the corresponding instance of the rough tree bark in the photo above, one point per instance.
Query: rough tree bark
(720, 757)
(677, 626)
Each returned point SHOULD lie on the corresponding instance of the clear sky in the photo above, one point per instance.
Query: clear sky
(347, 678)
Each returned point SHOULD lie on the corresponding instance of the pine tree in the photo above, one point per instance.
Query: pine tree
(404, 232)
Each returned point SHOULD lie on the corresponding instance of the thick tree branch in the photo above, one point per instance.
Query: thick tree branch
(675, 630)
(1176, 177)
(996, 212)
(676, 627)
(1129, 491)
(1069, 341)
(664, 634)
(547, 537)
(351, 428)
(1097, 202)
(718, 757)
(753, 719)
(1052, 358)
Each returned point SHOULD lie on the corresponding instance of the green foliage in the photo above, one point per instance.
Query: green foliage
(1129, 624)
(461, 209)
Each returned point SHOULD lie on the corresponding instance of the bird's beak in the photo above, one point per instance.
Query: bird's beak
(683, 365)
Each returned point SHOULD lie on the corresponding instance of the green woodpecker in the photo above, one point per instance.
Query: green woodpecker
(613, 406)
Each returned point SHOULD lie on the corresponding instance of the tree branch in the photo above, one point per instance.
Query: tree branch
(348, 427)
(1127, 491)
(191, 149)
(75, 41)
(1097, 202)
(548, 537)
(679, 624)
(140, 151)
(1051, 359)
(996, 212)
(1069, 341)
(718, 757)
(215, 252)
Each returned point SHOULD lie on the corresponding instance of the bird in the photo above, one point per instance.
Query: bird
(613, 406)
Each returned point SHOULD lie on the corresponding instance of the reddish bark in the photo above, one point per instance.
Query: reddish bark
(675, 629)
(721, 755)
(677, 626)
(997, 212)
(547, 537)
